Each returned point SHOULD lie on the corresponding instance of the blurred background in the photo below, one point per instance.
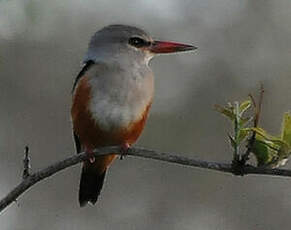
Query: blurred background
(242, 43)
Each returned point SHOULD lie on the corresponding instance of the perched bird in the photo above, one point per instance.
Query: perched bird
(112, 96)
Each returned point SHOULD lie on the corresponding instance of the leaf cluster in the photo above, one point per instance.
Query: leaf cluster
(269, 150)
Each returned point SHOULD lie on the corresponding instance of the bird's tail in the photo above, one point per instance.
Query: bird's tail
(91, 184)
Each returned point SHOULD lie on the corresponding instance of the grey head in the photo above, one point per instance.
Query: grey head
(118, 41)
(123, 42)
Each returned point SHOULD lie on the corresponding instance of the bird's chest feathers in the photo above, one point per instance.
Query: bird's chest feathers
(117, 101)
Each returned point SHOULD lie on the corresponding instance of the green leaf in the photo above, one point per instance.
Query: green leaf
(270, 138)
(232, 141)
(262, 153)
(226, 111)
(244, 121)
(244, 106)
(242, 135)
(286, 129)
(270, 151)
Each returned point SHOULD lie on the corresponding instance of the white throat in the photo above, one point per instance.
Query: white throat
(120, 93)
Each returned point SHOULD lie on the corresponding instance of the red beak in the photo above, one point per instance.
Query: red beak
(169, 47)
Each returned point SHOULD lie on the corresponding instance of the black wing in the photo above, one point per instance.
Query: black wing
(87, 65)
(77, 143)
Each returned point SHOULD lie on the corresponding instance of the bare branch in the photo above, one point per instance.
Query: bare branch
(32, 179)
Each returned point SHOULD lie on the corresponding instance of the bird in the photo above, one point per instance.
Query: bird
(112, 96)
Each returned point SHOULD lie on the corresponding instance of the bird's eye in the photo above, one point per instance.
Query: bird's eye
(138, 42)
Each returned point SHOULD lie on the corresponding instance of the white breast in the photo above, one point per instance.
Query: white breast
(120, 97)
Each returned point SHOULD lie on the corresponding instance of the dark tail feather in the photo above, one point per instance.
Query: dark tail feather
(90, 185)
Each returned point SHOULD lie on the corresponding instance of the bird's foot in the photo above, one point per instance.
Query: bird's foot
(90, 152)
(124, 150)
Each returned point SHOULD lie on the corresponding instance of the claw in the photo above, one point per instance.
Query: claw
(92, 160)
(89, 151)
(124, 149)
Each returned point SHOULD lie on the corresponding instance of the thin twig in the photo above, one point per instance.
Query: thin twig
(262, 91)
(253, 100)
(26, 163)
(136, 151)
(252, 139)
